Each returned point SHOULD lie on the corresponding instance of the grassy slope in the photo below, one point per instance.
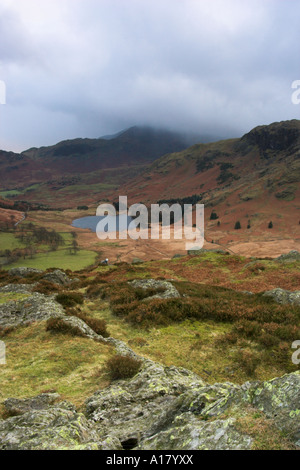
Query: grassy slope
(38, 361)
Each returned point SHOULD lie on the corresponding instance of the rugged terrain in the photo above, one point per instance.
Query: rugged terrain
(226, 380)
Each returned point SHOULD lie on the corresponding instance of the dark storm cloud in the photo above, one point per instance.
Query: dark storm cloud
(91, 67)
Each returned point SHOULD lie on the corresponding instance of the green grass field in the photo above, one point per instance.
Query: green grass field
(57, 259)
(8, 241)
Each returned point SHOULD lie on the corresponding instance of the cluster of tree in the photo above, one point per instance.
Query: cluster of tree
(225, 174)
(32, 235)
(10, 256)
(25, 206)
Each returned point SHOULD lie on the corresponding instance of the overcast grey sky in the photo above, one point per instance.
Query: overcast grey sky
(85, 68)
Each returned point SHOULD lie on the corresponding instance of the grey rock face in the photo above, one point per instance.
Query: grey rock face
(59, 427)
(33, 307)
(282, 296)
(188, 433)
(16, 407)
(16, 288)
(279, 399)
(127, 409)
(170, 291)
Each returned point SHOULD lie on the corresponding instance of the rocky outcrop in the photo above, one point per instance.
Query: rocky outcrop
(59, 427)
(290, 257)
(30, 307)
(282, 296)
(57, 276)
(23, 272)
(16, 407)
(169, 291)
(128, 409)
(161, 408)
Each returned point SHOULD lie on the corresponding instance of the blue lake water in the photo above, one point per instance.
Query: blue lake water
(92, 221)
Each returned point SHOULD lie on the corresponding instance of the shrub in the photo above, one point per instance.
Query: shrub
(268, 340)
(58, 325)
(237, 225)
(123, 367)
(46, 287)
(248, 329)
(5, 331)
(94, 291)
(69, 299)
(227, 338)
(97, 325)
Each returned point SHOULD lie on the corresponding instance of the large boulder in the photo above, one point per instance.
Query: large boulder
(169, 291)
(57, 277)
(27, 309)
(282, 296)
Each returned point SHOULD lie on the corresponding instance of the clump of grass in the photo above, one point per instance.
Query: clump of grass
(70, 299)
(265, 435)
(123, 367)
(139, 341)
(5, 331)
(248, 361)
(58, 325)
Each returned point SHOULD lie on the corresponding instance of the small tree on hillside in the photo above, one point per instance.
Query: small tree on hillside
(270, 225)
(237, 225)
